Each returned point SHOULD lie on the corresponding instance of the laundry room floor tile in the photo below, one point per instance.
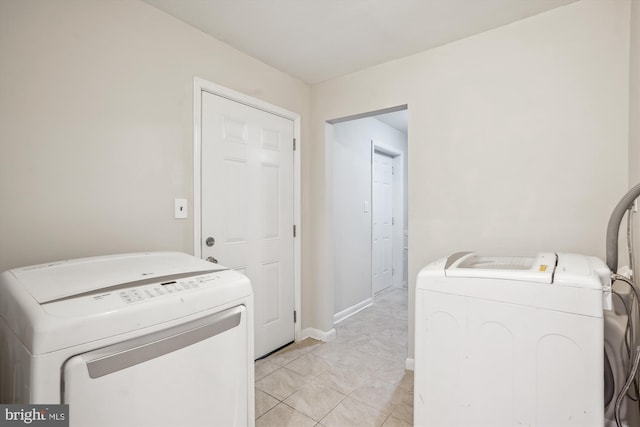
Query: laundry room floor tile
(281, 383)
(356, 380)
(264, 368)
(286, 355)
(395, 373)
(403, 410)
(314, 400)
(284, 416)
(394, 422)
(309, 365)
(379, 394)
(342, 380)
(350, 412)
(264, 402)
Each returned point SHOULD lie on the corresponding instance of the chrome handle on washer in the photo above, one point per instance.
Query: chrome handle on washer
(138, 350)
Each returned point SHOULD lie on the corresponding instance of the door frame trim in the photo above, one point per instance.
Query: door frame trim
(201, 85)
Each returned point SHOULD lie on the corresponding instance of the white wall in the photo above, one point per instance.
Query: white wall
(634, 96)
(351, 188)
(96, 126)
(517, 136)
(634, 119)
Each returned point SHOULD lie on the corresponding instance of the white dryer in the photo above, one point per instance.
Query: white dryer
(148, 339)
(506, 341)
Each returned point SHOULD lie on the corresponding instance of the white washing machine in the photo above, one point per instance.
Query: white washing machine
(148, 339)
(506, 341)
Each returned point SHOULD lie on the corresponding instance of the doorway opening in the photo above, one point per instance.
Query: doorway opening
(368, 191)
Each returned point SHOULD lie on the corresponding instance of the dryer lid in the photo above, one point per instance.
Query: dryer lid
(65, 279)
(537, 269)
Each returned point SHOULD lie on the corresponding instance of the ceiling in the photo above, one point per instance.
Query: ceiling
(397, 120)
(316, 40)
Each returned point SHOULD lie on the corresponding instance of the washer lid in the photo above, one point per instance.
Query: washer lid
(537, 269)
(63, 279)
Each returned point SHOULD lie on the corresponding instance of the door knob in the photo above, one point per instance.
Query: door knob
(212, 259)
(210, 241)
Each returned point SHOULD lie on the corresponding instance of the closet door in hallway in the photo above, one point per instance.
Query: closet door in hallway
(382, 221)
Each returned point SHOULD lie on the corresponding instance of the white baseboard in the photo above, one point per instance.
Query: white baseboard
(348, 312)
(409, 364)
(317, 334)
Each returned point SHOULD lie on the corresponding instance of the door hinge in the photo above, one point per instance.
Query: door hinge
(295, 316)
(393, 220)
(294, 230)
(393, 170)
(294, 144)
(393, 271)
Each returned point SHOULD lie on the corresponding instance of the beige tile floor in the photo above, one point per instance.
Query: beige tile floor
(357, 380)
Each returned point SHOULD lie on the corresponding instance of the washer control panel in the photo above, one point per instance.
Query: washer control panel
(125, 296)
(153, 291)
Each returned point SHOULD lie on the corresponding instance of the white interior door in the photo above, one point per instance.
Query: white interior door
(247, 208)
(382, 221)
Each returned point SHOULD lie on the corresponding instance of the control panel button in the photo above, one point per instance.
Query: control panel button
(153, 291)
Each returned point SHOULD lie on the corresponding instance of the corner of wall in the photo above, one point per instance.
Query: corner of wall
(634, 94)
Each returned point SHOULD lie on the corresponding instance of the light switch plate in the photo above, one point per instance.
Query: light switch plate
(180, 211)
